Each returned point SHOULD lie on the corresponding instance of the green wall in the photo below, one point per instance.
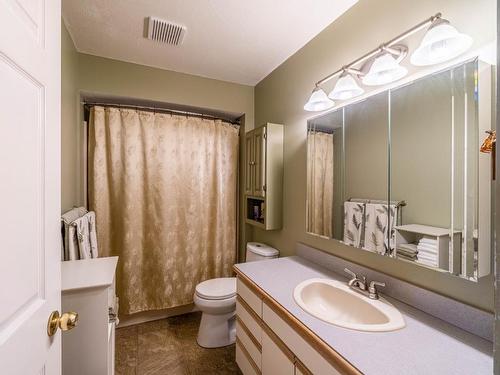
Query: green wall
(281, 95)
(69, 124)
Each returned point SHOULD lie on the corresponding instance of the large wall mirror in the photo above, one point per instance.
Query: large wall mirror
(408, 172)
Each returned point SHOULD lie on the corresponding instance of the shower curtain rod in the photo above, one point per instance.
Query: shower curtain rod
(162, 110)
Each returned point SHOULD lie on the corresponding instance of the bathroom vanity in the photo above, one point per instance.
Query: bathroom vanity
(263, 327)
(88, 288)
(276, 336)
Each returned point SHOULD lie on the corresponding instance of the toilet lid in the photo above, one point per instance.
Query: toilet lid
(221, 288)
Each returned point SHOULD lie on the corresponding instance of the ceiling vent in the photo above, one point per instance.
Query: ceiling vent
(166, 32)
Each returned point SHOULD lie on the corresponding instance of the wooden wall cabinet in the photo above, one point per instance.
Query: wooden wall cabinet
(264, 176)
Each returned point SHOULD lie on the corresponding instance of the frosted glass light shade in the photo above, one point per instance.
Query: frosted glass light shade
(384, 69)
(346, 88)
(442, 42)
(318, 101)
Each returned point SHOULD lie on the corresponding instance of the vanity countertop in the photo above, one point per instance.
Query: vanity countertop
(426, 345)
(87, 273)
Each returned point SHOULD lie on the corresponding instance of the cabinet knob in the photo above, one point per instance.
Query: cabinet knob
(65, 322)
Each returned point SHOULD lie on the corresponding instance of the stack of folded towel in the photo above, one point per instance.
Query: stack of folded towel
(428, 252)
(407, 251)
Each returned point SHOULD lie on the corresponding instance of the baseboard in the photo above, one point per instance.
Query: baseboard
(149, 316)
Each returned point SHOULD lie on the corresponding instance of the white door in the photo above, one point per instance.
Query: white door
(30, 274)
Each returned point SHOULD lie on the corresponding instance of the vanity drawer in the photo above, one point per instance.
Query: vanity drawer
(302, 350)
(277, 359)
(244, 361)
(249, 318)
(251, 298)
(250, 343)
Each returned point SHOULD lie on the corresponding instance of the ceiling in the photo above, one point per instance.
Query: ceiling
(231, 40)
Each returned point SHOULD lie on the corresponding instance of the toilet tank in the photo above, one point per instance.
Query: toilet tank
(260, 251)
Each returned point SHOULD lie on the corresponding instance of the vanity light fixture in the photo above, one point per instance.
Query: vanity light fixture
(318, 101)
(441, 43)
(384, 69)
(346, 87)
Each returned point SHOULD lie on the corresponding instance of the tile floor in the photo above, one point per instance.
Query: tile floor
(168, 346)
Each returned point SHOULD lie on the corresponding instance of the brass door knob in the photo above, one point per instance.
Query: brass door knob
(66, 321)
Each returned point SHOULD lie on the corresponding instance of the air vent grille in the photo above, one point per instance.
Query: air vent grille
(165, 32)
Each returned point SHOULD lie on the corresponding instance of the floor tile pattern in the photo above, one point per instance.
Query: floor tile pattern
(168, 347)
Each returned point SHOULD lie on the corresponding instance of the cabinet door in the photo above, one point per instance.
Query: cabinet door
(259, 162)
(249, 163)
(276, 360)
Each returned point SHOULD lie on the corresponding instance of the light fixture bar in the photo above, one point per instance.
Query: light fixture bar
(382, 47)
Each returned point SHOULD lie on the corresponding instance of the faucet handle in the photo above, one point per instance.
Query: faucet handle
(372, 290)
(355, 278)
(352, 274)
(379, 283)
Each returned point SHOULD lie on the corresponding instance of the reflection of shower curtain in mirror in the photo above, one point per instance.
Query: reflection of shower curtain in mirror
(320, 183)
(164, 191)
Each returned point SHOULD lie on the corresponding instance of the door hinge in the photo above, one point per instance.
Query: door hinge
(264, 188)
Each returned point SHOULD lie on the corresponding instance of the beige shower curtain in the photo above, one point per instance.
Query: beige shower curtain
(164, 191)
(320, 183)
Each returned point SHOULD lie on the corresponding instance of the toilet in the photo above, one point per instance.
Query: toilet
(216, 298)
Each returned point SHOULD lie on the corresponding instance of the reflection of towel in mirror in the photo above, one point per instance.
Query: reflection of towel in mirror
(428, 241)
(407, 250)
(404, 255)
(85, 230)
(353, 223)
(430, 249)
(70, 244)
(409, 247)
(378, 219)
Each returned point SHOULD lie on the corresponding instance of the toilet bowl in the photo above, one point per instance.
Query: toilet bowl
(216, 299)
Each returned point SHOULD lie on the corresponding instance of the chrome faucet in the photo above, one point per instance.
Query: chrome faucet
(358, 284)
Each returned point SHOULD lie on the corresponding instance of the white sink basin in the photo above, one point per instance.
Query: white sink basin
(334, 302)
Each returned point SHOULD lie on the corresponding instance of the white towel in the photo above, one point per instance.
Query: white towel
(377, 227)
(428, 241)
(428, 248)
(429, 257)
(85, 231)
(409, 247)
(428, 252)
(70, 243)
(353, 222)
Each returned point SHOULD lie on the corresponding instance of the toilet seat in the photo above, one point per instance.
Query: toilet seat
(217, 289)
